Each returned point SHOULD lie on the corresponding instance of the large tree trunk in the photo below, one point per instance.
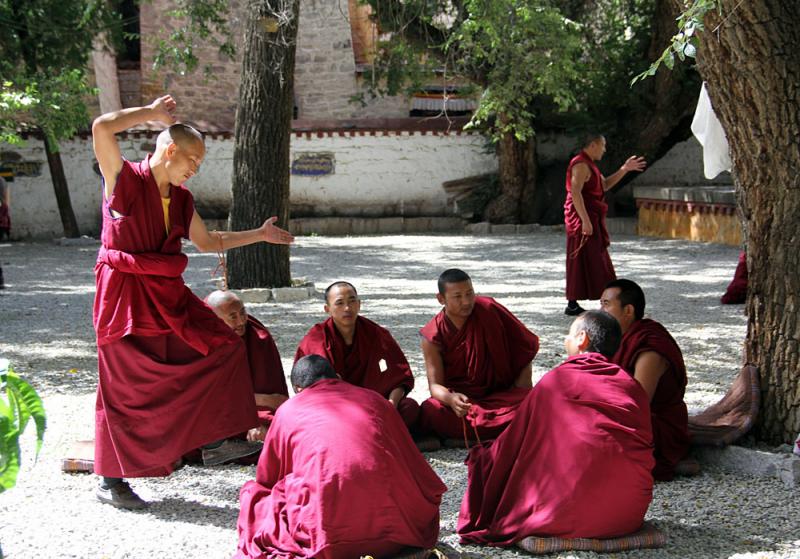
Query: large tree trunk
(752, 65)
(263, 132)
(517, 174)
(61, 188)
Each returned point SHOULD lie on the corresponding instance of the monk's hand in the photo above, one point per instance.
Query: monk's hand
(275, 235)
(459, 404)
(163, 109)
(257, 434)
(587, 229)
(634, 163)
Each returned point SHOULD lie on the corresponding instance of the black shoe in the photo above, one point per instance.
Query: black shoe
(573, 311)
(120, 495)
(230, 449)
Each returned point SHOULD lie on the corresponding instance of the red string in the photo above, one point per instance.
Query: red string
(222, 265)
(574, 254)
(464, 421)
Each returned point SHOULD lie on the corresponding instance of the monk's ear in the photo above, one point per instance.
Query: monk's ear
(440, 298)
(582, 340)
(327, 308)
(297, 389)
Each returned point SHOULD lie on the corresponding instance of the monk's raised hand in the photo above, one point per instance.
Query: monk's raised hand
(275, 235)
(634, 163)
(164, 109)
(459, 403)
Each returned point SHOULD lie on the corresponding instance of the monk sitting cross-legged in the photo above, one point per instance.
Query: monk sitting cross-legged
(575, 461)
(339, 477)
(650, 355)
(361, 352)
(478, 356)
(266, 369)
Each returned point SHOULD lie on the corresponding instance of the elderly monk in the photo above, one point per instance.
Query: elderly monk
(172, 376)
(266, 369)
(478, 357)
(575, 461)
(328, 488)
(589, 266)
(361, 352)
(650, 355)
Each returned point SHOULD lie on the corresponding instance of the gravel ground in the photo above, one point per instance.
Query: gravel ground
(45, 329)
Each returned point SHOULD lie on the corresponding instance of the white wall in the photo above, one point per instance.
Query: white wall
(382, 175)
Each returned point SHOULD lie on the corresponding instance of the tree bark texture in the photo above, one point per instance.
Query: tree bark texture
(517, 177)
(261, 148)
(61, 188)
(750, 60)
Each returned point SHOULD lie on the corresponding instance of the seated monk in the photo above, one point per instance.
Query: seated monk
(650, 355)
(478, 356)
(264, 361)
(328, 488)
(361, 352)
(583, 435)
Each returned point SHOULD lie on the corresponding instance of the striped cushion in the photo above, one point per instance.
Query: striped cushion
(648, 536)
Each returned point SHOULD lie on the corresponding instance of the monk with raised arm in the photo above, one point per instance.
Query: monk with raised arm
(575, 461)
(263, 359)
(650, 355)
(589, 266)
(478, 357)
(172, 376)
(361, 352)
(339, 477)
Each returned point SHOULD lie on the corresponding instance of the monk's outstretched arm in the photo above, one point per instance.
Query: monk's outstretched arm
(525, 377)
(649, 368)
(271, 401)
(633, 163)
(434, 366)
(396, 395)
(580, 174)
(224, 240)
(104, 140)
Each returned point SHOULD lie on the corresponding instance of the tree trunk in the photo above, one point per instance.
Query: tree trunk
(61, 188)
(263, 132)
(517, 174)
(105, 75)
(749, 58)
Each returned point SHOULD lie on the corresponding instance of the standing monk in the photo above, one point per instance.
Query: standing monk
(172, 376)
(361, 352)
(263, 359)
(589, 266)
(576, 460)
(339, 477)
(478, 356)
(650, 355)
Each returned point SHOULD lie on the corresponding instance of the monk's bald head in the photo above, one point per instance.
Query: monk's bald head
(602, 330)
(452, 275)
(182, 135)
(336, 286)
(230, 309)
(309, 370)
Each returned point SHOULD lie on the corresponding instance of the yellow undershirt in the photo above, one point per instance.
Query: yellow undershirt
(165, 208)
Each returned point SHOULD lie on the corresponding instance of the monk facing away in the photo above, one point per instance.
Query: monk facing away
(650, 355)
(360, 351)
(172, 376)
(331, 488)
(575, 461)
(263, 359)
(478, 357)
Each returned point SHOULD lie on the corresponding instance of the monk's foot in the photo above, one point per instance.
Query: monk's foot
(574, 310)
(229, 450)
(120, 495)
(687, 467)
(428, 444)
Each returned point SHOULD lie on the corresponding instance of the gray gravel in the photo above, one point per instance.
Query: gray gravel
(45, 329)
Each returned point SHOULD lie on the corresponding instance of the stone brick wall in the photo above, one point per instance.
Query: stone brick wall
(325, 71)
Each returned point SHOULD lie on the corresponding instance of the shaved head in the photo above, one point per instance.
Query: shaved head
(227, 306)
(182, 135)
(219, 298)
(336, 284)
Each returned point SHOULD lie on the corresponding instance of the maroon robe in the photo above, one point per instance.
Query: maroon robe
(574, 463)
(266, 369)
(669, 414)
(481, 360)
(327, 488)
(172, 376)
(736, 293)
(360, 363)
(589, 266)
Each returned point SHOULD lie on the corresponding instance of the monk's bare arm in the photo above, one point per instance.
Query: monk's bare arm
(104, 128)
(434, 366)
(272, 401)
(633, 163)
(649, 368)
(396, 395)
(525, 377)
(580, 174)
(224, 240)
